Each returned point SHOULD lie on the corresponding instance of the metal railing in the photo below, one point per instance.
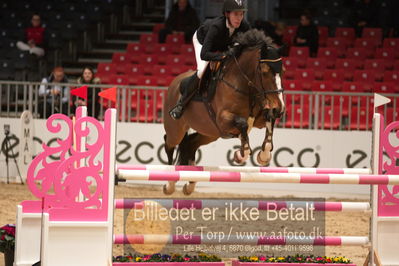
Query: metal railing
(305, 110)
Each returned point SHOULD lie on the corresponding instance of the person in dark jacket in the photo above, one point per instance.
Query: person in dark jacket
(307, 34)
(182, 19)
(211, 43)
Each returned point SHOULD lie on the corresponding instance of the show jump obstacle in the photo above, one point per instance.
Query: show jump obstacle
(72, 222)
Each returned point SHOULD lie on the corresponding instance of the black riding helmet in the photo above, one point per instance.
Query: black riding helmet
(233, 5)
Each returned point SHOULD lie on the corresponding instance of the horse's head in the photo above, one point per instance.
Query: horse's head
(271, 67)
(264, 75)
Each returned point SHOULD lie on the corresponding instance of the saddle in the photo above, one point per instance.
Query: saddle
(208, 83)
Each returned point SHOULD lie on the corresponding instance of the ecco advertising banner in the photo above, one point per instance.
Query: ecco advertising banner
(143, 144)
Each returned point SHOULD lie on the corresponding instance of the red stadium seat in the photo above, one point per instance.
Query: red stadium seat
(375, 33)
(157, 27)
(105, 77)
(145, 112)
(190, 61)
(354, 87)
(134, 48)
(341, 44)
(378, 64)
(304, 74)
(329, 117)
(391, 76)
(297, 116)
(299, 52)
(361, 118)
(318, 65)
(327, 52)
(367, 75)
(149, 60)
(148, 38)
(164, 81)
(391, 43)
(121, 68)
(187, 49)
(149, 48)
(145, 81)
(396, 65)
(291, 85)
(289, 34)
(348, 33)
(175, 39)
(367, 43)
(384, 87)
(391, 115)
(325, 85)
(387, 53)
(334, 75)
(358, 53)
(119, 80)
(133, 69)
(323, 35)
(158, 70)
(120, 58)
(106, 68)
(175, 60)
(162, 50)
(291, 63)
(289, 74)
(349, 64)
(177, 69)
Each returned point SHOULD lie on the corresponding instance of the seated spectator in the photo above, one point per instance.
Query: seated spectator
(34, 38)
(55, 97)
(92, 103)
(307, 34)
(182, 19)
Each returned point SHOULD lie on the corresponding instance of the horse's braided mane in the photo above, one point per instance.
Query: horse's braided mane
(253, 38)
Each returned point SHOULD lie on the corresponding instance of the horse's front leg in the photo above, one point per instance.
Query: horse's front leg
(244, 126)
(265, 154)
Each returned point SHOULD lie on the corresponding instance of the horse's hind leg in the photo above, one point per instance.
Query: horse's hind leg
(170, 144)
(188, 148)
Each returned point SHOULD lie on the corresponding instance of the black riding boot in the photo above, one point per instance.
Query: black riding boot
(188, 87)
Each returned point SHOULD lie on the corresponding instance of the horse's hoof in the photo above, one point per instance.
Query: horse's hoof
(167, 190)
(264, 157)
(238, 158)
(187, 190)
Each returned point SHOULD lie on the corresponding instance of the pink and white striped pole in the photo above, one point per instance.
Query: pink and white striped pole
(207, 176)
(259, 204)
(198, 240)
(298, 170)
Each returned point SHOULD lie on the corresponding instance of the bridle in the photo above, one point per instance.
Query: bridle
(260, 92)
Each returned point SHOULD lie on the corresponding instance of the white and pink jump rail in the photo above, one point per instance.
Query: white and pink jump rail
(72, 222)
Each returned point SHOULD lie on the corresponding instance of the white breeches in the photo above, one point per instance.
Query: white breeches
(201, 64)
(33, 50)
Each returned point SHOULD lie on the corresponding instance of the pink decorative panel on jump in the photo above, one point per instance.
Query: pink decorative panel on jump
(388, 203)
(73, 186)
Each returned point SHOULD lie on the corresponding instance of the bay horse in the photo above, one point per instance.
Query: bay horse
(249, 94)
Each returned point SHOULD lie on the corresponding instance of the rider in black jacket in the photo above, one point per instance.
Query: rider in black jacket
(211, 43)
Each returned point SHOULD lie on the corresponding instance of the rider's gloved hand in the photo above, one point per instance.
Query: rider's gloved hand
(230, 52)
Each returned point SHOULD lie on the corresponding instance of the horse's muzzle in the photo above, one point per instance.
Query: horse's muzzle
(273, 113)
